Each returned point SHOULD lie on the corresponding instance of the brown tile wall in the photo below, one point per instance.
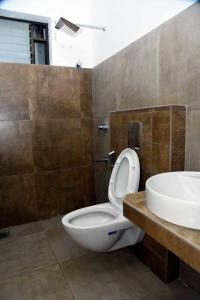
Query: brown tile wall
(45, 141)
(162, 149)
(163, 138)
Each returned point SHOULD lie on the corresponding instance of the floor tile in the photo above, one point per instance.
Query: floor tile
(23, 230)
(160, 294)
(88, 280)
(51, 223)
(182, 291)
(44, 284)
(117, 275)
(40, 261)
(63, 246)
(24, 254)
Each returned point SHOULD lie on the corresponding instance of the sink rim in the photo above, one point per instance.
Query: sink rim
(173, 208)
(178, 198)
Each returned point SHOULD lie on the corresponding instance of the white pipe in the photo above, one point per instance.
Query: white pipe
(91, 26)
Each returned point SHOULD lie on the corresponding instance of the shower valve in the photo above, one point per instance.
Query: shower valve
(104, 126)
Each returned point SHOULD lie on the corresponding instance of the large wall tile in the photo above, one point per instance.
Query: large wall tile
(61, 191)
(86, 93)
(86, 149)
(178, 137)
(139, 77)
(105, 86)
(129, 79)
(56, 143)
(53, 188)
(179, 65)
(15, 148)
(179, 128)
(57, 94)
(18, 203)
(160, 158)
(49, 146)
(14, 92)
(161, 127)
(193, 141)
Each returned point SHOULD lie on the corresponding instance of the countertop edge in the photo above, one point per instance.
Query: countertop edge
(167, 234)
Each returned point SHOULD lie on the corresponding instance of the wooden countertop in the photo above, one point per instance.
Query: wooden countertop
(183, 242)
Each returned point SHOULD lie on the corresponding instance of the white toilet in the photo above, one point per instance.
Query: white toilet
(103, 227)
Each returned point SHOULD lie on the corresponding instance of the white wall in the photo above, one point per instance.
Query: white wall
(125, 22)
(128, 20)
(66, 50)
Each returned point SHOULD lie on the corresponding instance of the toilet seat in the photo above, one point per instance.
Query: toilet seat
(127, 165)
(108, 209)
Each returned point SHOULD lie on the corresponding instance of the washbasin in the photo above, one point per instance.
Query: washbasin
(175, 197)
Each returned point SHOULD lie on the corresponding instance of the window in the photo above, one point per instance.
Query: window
(23, 41)
(39, 43)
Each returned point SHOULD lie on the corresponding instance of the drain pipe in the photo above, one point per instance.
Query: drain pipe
(4, 235)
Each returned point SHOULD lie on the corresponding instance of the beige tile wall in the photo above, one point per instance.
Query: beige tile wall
(163, 67)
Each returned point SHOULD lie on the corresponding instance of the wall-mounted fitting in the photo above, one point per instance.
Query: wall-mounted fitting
(135, 135)
(103, 126)
(112, 158)
(72, 29)
(79, 64)
(108, 158)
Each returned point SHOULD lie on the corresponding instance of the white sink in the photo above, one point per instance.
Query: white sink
(175, 197)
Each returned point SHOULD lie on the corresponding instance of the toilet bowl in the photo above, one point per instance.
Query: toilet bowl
(103, 227)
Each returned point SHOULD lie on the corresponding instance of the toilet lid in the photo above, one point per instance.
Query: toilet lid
(124, 178)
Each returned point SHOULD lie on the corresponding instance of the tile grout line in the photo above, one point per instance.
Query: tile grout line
(27, 272)
(66, 283)
(36, 268)
(59, 265)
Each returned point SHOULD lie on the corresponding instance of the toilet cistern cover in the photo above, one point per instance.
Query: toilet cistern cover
(124, 178)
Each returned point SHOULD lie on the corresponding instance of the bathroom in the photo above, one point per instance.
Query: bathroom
(70, 103)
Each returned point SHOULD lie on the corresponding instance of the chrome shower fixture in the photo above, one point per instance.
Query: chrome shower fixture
(71, 28)
(66, 25)
(103, 126)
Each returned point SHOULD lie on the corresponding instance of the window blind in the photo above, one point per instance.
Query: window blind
(14, 42)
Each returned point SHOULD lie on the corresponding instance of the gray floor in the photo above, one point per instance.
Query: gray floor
(40, 262)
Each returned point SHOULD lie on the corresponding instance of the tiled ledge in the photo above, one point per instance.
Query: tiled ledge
(183, 242)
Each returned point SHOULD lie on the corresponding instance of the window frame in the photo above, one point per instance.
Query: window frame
(46, 25)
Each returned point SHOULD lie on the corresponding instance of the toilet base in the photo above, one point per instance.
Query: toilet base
(131, 236)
